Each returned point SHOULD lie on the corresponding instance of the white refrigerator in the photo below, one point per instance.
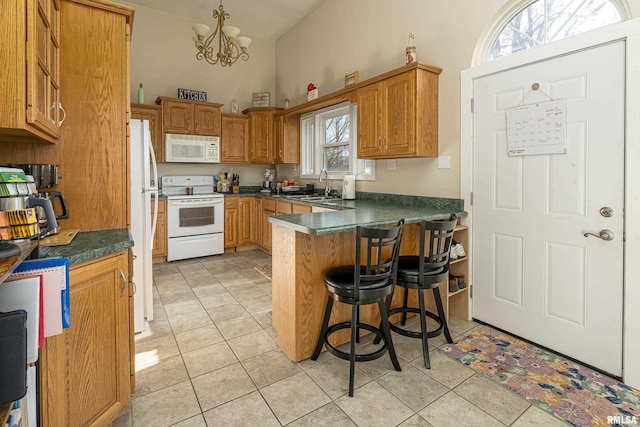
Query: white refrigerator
(144, 192)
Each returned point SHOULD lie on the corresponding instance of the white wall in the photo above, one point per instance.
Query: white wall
(163, 60)
(370, 36)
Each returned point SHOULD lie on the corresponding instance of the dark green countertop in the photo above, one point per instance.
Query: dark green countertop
(371, 209)
(90, 245)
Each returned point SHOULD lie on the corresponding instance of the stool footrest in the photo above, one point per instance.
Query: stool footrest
(436, 332)
(359, 357)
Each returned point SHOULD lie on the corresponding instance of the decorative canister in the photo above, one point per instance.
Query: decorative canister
(411, 54)
(411, 50)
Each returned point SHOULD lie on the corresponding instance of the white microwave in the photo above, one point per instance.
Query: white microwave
(192, 148)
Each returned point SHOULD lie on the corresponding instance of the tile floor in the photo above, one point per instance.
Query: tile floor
(209, 358)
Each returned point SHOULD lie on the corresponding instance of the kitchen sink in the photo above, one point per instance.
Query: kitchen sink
(312, 198)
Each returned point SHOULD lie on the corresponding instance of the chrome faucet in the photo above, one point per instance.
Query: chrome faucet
(326, 184)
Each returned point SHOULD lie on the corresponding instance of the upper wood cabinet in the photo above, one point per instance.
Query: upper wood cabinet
(398, 116)
(235, 138)
(262, 134)
(153, 113)
(30, 105)
(190, 117)
(287, 136)
(95, 78)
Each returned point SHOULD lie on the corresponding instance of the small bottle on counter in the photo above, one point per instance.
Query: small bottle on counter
(141, 95)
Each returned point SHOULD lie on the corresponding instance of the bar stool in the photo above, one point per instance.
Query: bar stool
(424, 272)
(364, 283)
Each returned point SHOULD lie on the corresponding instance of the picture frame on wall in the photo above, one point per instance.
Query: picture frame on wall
(261, 99)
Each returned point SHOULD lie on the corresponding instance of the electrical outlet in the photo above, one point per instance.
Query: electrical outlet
(392, 164)
(444, 162)
(294, 167)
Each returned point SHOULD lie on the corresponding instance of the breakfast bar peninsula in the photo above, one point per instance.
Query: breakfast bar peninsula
(304, 246)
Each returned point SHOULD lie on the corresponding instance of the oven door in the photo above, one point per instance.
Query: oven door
(195, 217)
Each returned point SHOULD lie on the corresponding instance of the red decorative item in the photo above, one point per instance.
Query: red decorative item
(311, 87)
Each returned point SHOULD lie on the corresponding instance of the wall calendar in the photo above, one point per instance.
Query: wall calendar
(537, 129)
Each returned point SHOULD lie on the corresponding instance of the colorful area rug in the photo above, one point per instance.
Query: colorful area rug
(265, 270)
(573, 393)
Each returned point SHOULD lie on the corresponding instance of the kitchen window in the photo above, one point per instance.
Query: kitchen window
(328, 141)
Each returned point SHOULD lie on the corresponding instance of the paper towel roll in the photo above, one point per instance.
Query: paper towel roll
(349, 187)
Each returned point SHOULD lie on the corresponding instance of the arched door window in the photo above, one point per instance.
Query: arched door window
(543, 21)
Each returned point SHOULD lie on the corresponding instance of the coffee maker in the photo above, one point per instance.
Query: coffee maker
(269, 179)
(41, 178)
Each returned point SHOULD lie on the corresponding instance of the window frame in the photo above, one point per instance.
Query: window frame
(312, 152)
(507, 13)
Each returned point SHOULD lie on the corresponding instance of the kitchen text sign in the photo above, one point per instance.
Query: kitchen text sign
(192, 95)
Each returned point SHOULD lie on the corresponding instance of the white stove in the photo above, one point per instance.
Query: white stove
(195, 217)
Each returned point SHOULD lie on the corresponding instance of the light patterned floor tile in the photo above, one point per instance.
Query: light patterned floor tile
(207, 359)
(453, 410)
(198, 338)
(294, 397)
(372, 405)
(253, 344)
(221, 386)
(329, 415)
(159, 409)
(248, 410)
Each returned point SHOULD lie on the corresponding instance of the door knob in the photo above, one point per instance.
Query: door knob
(604, 235)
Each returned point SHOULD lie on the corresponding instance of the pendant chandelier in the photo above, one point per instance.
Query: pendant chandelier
(230, 46)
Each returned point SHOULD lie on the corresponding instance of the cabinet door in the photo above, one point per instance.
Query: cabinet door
(43, 70)
(298, 208)
(230, 223)
(247, 220)
(266, 229)
(85, 370)
(160, 237)
(207, 120)
(278, 136)
(260, 136)
(370, 120)
(235, 139)
(153, 113)
(283, 208)
(96, 96)
(258, 221)
(400, 112)
(177, 116)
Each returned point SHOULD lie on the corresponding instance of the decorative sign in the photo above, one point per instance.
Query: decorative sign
(192, 95)
(261, 99)
(351, 79)
(537, 129)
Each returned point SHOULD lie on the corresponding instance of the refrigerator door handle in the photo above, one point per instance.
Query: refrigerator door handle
(154, 166)
(154, 223)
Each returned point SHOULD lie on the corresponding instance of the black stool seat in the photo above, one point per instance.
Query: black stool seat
(339, 282)
(360, 284)
(424, 272)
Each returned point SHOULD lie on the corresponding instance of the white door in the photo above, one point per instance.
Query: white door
(535, 273)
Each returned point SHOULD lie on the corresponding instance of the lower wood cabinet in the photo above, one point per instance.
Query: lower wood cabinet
(239, 221)
(159, 251)
(272, 207)
(85, 371)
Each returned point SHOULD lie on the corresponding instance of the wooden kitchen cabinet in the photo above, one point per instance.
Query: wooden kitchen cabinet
(262, 134)
(268, 209)
(85, 371)
(30, 105)
(287, 136)
(190, 117)
(95, 77)
(159, 251)
(153, 113)
(271, 207)
(398, 115)
(235, 138)
(239, 221)
(247, 220)
(231, 208)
